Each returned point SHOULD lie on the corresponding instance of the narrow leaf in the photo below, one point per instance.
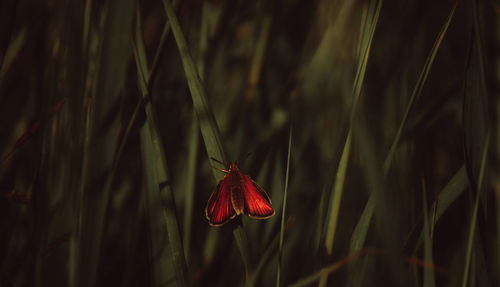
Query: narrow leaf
(283, 213)
(359, 234)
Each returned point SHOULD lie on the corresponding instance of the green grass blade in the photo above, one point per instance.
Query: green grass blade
(453, 189)
(162, 265)
(476, 140)
(111, 77)
(337, 196)
(206, 118)
(190, 185)
(472, 228)
(418, 87)
(283, 213)
(359, 234)
(87, 13)
(241, 240)
(13, 50)
(365, 47)
(475, 105)
(374, 180)
(160, 192)
(338, 187)
(429, 280)
(208, 125)
(159, 53)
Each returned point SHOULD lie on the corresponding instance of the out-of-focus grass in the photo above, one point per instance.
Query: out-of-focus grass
(208, 126)
(86, 201)
(103, 139)
(283, 212)
(160, 199)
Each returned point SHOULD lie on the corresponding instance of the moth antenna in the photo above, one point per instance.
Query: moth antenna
(220, 169)
(216, 160)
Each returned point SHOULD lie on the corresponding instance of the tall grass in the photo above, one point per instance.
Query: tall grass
(113, 112)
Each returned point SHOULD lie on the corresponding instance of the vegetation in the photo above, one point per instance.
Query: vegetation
(373, 125)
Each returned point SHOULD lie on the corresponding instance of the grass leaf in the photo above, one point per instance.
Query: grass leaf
(110, 80)
(359, 235)
(283, 212)
(472, 227)
(429, 280)
(206, 119)
(159, 187)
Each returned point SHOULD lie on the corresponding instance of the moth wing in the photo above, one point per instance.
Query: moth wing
(219, 209)
(257, 203)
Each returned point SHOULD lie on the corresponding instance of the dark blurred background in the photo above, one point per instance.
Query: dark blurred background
(105, 163)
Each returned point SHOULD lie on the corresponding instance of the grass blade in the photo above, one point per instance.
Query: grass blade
(472, 227)
(475, 103)
(457, 184)
(112, 68)
(418, 87)
(206, 119)
(337, 196)
(13, 50)
(359, 235)
(453, 189)
(156, 164)
(162, 262)
(367, 39)
(283, 213)
(335, 202)
(365, 47)
(190, 185)
(429, 280)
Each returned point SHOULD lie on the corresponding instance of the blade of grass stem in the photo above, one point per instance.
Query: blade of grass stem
(161, 263)
(359, 235)
(190, 185)
(367, 39)
(76, 240)
(163, 190)
(418, 87)
(475, 104)
(87, 11)
(337, 196)
(110, 79)
(283, 213)
(271, 248)
(206, 118)
(335, 202)
(372, 20)
(11, 53)
(475, 211)
(452, 190)
(429, 280)
(159, 52)
(208, 125)
(193, 147)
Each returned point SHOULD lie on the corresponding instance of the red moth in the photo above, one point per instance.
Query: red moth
(237, 194)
